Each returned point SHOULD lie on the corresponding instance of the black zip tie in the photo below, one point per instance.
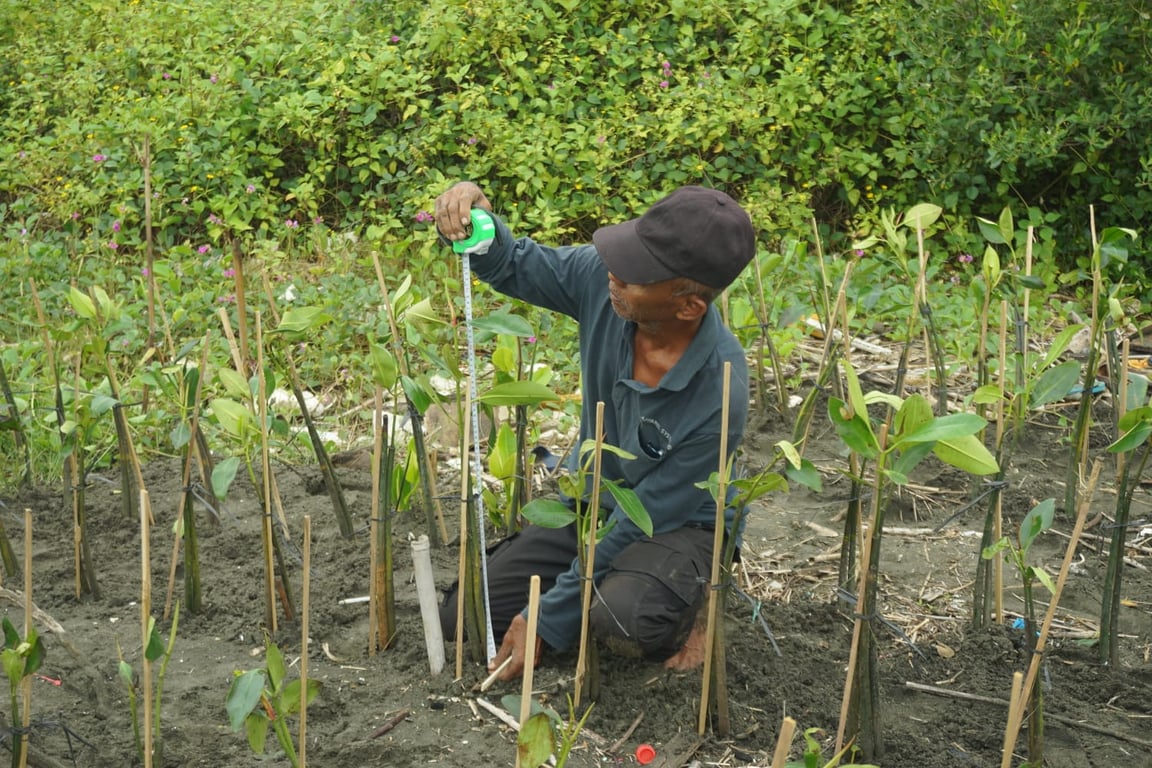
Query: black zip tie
(989, 487)
(756, 616)
(850, 598)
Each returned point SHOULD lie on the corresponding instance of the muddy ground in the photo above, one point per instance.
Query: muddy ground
(1101, 716)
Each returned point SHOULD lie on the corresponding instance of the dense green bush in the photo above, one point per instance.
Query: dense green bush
(271, 120)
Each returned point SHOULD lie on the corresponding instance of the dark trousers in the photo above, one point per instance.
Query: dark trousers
(644, 606)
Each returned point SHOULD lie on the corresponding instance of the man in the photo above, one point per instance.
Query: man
(652, 349)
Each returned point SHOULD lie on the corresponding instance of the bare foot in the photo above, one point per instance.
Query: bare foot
(691, 654)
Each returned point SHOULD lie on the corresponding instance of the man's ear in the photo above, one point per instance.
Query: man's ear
(693, 308)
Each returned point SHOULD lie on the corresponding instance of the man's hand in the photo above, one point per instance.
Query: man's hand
(454, 209)
(513, 647)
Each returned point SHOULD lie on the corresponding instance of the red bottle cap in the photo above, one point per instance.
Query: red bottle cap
(645, 753)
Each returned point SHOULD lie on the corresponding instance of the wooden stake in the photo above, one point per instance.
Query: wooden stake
(998, 514)
(266, 472)
(304, 587)
(783, 742)
(373, 521)
(463, 570)
(589, 557)
(1014, 705)
(145, 615)
(530, 655)
(714, 593)
(489, 681)
(26, 683)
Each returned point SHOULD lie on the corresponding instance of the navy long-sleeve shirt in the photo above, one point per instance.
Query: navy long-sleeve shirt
(673, 429)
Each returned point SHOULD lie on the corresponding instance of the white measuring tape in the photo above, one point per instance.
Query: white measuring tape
(483, 231)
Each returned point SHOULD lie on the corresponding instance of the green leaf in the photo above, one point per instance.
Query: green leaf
(384, 368)
(989, 394)
(417, 394)
(806, 475)
(1132, 439)
(101, 404)
(915, 412)
(13, 664)
(277, 671)
(853, 430)
(790, 453)
(235, 384)
(243, 696)
(548, 513)
(536, 741)
(155, 647)
(234, 418)
(1137, 391)
(256, 727)
(518, 393)
(82, 303)
(1042, 576)
(1038, 519)
(507, 324)
(11, 636)
(992, 550)
(125, 671)
(954, 425)
(180, 435)
(966, 453)
(299, 319)
(909, 458)
(502, 455)
(35, 653)
(222, 476)
(922, 216)
(1055, 384)
(632, 507)
(990, 231)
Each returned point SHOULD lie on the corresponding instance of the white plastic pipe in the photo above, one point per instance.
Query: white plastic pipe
(429, 612)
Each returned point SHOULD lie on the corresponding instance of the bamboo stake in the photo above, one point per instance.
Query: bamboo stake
(374, 521)
(530, 655)
(266, 471)
(463, 570)
(304, 592)
(589, 557)
(1014, 705)
(26, 682)
(783, 742)
(1014, 723)
(149, 243)
(241, 303)
(145, 615)
(714, 594)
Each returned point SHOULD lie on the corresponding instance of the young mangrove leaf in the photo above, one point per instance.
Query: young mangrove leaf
(235, 384)
(912, 414)
(502, 455)
(419, 395)
(536, 741)
(82, 303)
(1055, 384)
(384, 368)
(952, 426)
(234, 418)
(504, 323)
(243, 696)
(518, 393)
(1038, 520)
(922, 215)
(548, 513)
(223, 474)
(853, 429)
(966, 453)
(297, 320)
(902, 467)
(631, 505)
(1135, 427)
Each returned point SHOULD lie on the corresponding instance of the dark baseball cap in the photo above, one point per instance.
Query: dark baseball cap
(695, 232)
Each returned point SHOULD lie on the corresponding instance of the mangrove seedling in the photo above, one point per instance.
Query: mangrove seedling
(156, 649)
(545, 733)
(260, 698)
(21, 658)
(1038, 520)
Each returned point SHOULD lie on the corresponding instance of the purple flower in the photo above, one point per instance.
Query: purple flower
(145, 271)
(166, 76)
(531, 339)
(291, 223)
(213, 78)
(666, 66)
(250, 188)
(230, 272)
(472, 139)
(965, 258)
(422, 217)
(663, 83)
(858, 253)
(394, 38)
(113, 244)
(204, 249)
(226, 299)
(212, 218)
(601, 139)
(99, 158)
(75, 215)
(115, 226)
(317, 219)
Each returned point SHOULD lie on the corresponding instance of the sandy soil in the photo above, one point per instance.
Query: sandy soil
(81, 715)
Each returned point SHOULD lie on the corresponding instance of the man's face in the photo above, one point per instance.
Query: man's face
(650, 303)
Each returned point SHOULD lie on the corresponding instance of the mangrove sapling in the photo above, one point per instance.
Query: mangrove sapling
(21, 658)
(263, 697)
(155, 649)
(1038, 520)
(1109, 250)
(296, 324)
(1136, 431)
(814, 754)
(895, 450)
(545, 733)
(10, 421)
